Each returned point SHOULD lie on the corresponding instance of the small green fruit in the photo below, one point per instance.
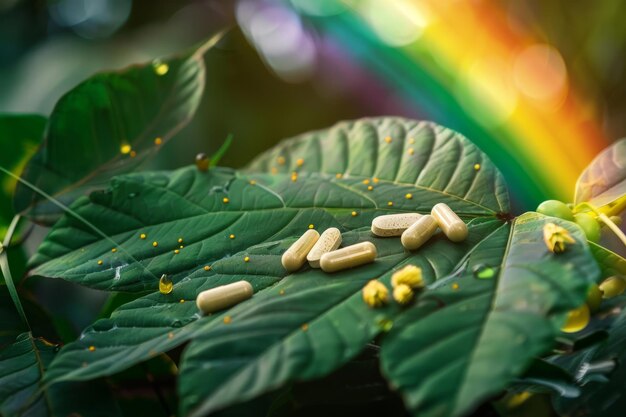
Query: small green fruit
(590, 226)
(556, 208)
(594, 297)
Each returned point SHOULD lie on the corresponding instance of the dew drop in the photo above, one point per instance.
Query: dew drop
(165, 285)
(476, 167)
(384, 324)
(202, 162)
(482, 271)
(354, 214)
(160, 68)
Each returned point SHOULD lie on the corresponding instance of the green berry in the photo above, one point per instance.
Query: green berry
(556, 208)
(612, 287)
(590, 226)
(594, 297)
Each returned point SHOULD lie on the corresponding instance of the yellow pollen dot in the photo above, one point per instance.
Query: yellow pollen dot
(338, 175)
(375, 180)
(158, 141)
(281, 292)
(100, 262)
(388, 139)
(142, 236)
(274, 170)
(370, 188)
(176, 251)
(252, 182)
(311, 226)
(455, 286)
(411, 151)
(300, 162)
(280, 160)
(408, 196)
(181, 246)
(227, 319)
(411, 140)
(207, 268)
(366, 181)
(155, 244)
(170, 335)
(390, 203)
(225, 200)
(294, 176)
(232, 236)
(354, 214)
(113, 250)
(182, 300)
(133, 154)
(161, 69)
(92, 348)
(476, 167)
(305, 327)
(246, 259)
(180, 240)
(125, 149)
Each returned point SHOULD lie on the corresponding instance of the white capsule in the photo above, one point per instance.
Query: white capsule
(419, 232)
(295, 256)
(348, 257)
(224, 296)
(450, 223)
(393, 224)
(328, 242)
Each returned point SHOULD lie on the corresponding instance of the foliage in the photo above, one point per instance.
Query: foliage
(491, 311)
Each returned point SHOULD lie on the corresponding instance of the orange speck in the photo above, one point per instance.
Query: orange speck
(158, 141)
(227, 319)
(92, 348)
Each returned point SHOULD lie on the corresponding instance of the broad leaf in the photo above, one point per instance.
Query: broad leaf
(107, 125)
(610, 262)
(603, 182)
(265, 212)
(448, 358)
(21, 393)
(19, 137)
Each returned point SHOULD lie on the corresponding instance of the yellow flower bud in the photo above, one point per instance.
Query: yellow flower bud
(403, 294)
(556, 237)
(375, 294)
(410, 275)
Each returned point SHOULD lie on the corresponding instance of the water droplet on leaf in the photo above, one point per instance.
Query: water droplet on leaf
(165, 285)
(482, 271)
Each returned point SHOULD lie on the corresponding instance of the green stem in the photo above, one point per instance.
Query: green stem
(605, 219)
(6, 271)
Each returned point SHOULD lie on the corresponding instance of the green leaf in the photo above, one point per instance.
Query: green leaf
(602, 393)
(610, 262)
(19, 137)
(91, 124)
(265, 218)
(21, 366)
(489, 332)
(337, 324)
(603, 182)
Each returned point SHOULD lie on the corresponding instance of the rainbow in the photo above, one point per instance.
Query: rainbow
(467, 66)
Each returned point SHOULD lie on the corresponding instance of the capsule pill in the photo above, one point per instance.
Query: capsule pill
(224, 296)
(451, 224)
(328, 242)
(295, 256)
(419, 232)
(393, 224)
(348, 257)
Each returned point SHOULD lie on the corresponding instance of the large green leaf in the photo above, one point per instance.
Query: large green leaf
(604, 181)
(19, 137)
(446, 361)
(264, 217)
(91, 124)
(338, 324)
(22, 364)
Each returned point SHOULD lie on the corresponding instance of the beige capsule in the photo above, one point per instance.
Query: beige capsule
(419, 232)
(295, 256)
(393, 224)
(328, 242)
(224, 296)
(348, 257)
(451, 224)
